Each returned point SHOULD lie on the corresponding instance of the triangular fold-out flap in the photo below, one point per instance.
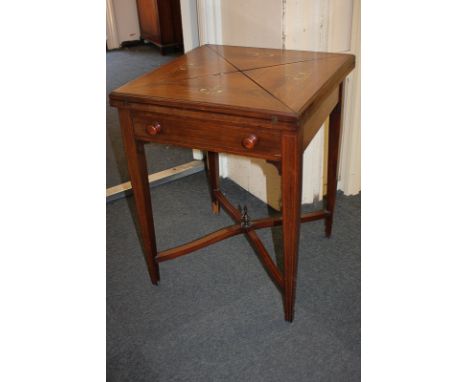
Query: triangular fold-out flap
(297, 83)
(230, 89)
(201, 61)
(245, 58)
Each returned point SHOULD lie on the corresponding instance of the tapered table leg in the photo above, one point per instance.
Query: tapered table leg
(213, 175)
(136, 160)
(291, 199)
(333, 155)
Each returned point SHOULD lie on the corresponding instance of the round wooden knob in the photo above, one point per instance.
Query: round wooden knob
(250, 141)
(154, 129)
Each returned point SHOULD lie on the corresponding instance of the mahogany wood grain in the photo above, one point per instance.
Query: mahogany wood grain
(283, 91)
(233, 90)
(298, 84)
(254, 240)
(317, 116)
(334, 133)
(227, 232)
(196, 63)
(208, 118)
(138, 172)
(270, 266)
(276, 221)
(207, 136)
(149, 19)
(264, 103)
(291, 186)
(213, 175)
(160, 22)
(232, 211)
(197, 244)
(245, 58)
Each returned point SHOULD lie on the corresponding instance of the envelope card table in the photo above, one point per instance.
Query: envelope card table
(261, 103)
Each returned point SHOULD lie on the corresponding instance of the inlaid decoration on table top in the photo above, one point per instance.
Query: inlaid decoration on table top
(272, 82)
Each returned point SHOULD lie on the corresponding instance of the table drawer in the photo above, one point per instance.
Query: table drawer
(208, 135)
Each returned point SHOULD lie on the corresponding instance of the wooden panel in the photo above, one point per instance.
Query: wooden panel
(197, 63)
(177, 22)
(165, 21)
(291, 187)
(297, 85)
(217, 119)
(137, 169)
(252, 58)
(269, 113)
(317, 116)
(170, 21)
(202, 81)
(333, 157)
(207, 136)
(160, 22)
(148, 16)
(234, 90)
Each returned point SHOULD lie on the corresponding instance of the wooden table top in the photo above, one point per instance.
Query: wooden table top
(264, 83)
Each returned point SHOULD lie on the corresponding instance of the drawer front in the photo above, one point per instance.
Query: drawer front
(207, 135)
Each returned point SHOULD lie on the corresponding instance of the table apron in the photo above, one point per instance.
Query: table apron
(206, 135)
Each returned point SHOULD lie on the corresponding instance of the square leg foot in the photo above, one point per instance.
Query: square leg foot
(215, 207)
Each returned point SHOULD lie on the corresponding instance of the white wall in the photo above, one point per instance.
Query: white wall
(188, 10)
(126, 15)
(112, 34)
(350, 170)
(305, 26)
(251, 23)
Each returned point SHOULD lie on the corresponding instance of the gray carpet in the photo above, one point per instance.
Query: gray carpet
(124, 65)
(216, 315)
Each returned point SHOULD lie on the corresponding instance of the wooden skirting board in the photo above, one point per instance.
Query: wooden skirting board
(161, 177)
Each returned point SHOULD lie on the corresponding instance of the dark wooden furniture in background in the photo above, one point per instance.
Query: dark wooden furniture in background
(263, 103)
(160, 22)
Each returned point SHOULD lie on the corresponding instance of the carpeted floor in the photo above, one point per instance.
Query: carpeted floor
(124, 65)
(216, 315)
